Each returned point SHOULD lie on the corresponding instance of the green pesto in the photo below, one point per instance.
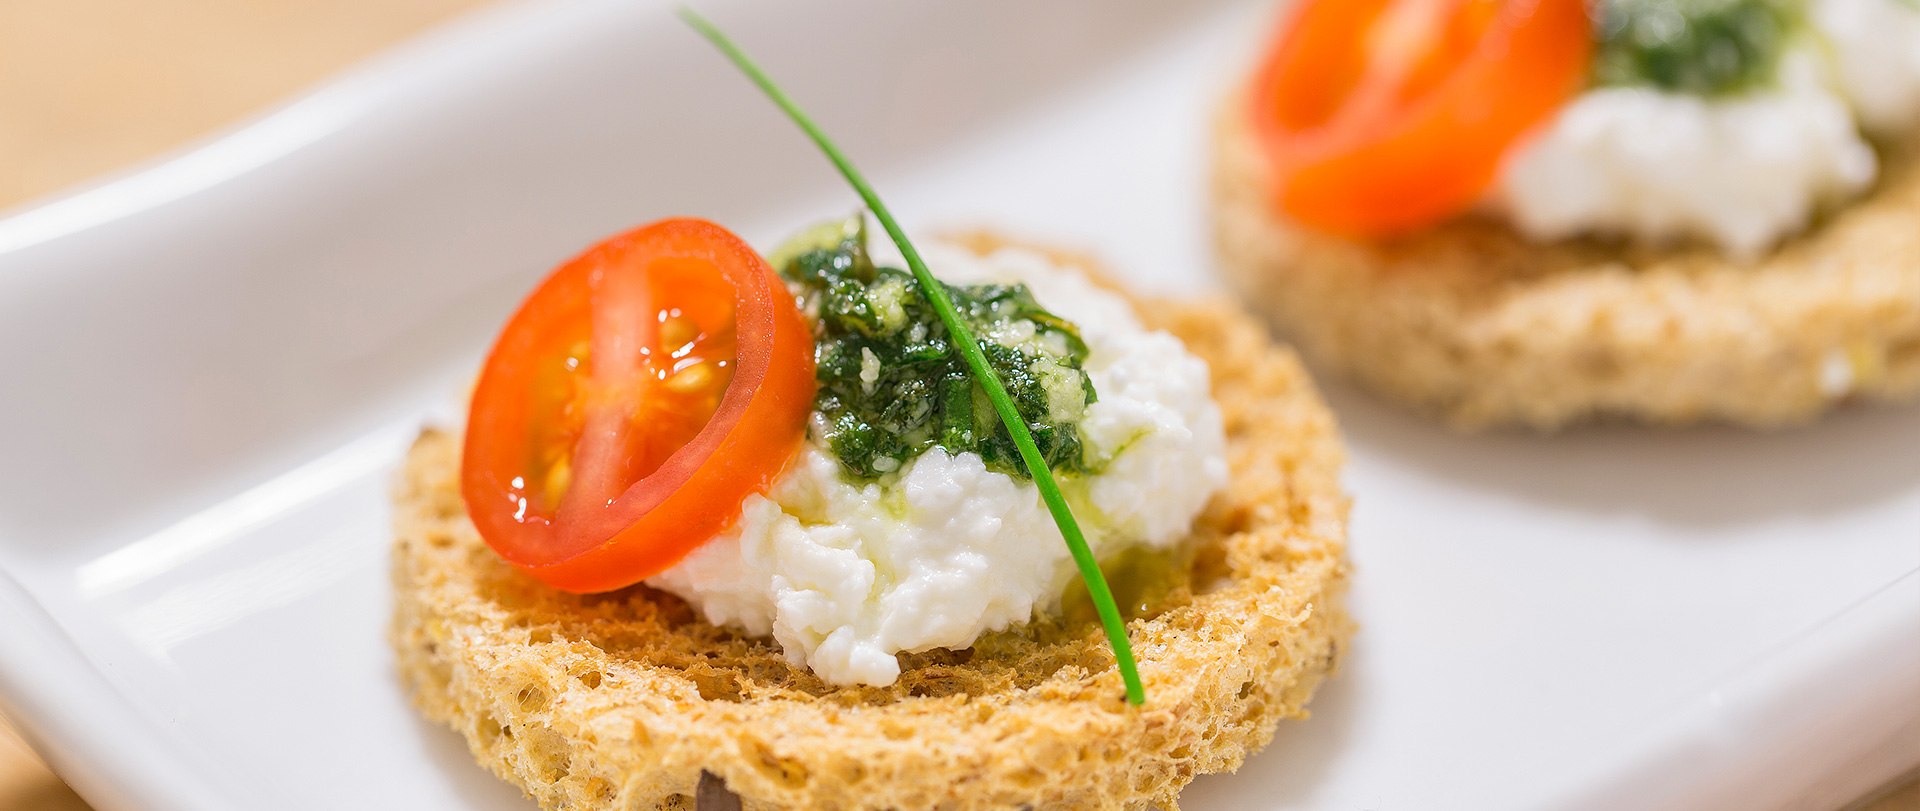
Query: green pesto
(1700, 47)
(891, 385)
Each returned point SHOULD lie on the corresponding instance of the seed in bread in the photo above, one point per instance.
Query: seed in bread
(620, 700)
(1473, 321)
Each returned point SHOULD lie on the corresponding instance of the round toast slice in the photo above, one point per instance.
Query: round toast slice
(622, 700)
(1474, 321)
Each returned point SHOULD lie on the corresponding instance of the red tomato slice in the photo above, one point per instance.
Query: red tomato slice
(642, 391)
(1385, 116)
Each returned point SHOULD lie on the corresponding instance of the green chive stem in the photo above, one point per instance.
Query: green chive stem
(970, 348)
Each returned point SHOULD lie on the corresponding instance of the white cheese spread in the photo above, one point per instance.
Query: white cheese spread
(1875, 45)
(1741, 171)
(845, 575)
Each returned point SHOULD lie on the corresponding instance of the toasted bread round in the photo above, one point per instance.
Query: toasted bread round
(1472, 320)
(622, 700)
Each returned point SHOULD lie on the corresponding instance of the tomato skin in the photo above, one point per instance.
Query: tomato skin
(591, 543)
(1365, 153)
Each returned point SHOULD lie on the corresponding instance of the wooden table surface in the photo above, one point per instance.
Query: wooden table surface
(88, 87)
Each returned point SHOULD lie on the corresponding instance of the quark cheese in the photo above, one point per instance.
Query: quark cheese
(845, 575)
(1875, 45)
(1741, 171)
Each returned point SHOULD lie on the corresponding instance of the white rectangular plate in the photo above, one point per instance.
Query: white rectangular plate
(211, 365)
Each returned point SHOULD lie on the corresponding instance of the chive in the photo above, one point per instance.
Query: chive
(969, 347)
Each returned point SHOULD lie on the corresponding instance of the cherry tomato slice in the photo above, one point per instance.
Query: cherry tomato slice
(639, 394)
(1381, 117)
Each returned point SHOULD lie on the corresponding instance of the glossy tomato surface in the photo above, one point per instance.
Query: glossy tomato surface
(1381, 117)
(640, 393)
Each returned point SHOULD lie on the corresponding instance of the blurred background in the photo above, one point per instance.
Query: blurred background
(90, 88)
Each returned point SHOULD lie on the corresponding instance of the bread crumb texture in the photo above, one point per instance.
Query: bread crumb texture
(620, 700)
(1477, 323)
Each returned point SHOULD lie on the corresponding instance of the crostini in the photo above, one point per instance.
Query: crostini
(1536, 212)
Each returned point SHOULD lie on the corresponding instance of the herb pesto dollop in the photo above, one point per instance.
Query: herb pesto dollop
(1700, 47)
(891, 384)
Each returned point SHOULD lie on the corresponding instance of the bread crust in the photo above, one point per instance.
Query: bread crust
(620, 700)
(1473, 321)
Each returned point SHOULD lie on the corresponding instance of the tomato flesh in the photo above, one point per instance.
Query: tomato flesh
(639, 394)
(1381, 117)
